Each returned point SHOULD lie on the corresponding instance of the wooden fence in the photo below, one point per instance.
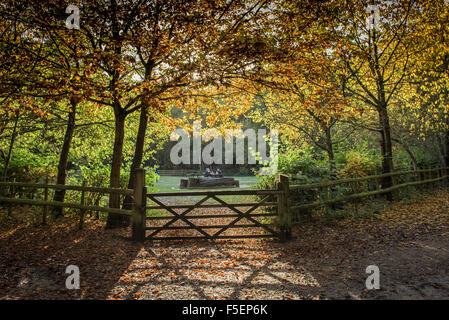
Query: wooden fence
(372, 187)
(270, 198)
(181, 173)
(46, 203)
(283, 199)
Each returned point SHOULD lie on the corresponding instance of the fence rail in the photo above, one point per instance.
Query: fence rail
(65, 205)
(248, 215)
(68, 187)
(46, 204)
(184, 216)
(361, 179)
(280, 199)
(325, 200)
(178, 172)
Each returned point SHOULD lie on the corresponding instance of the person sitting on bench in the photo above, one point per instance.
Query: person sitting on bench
(207, 173)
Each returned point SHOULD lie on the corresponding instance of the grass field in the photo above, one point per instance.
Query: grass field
(171, 184)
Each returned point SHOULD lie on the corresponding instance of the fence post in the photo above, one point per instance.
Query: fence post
(45, 208)
(284, 214)
(97, 204)
(395, 193)
(139, 203)
(80, 226)
(326, 196)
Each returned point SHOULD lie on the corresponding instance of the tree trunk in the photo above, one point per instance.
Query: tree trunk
(446, 149)
(11, 145)
(116, 220)
(63, 158)
(330, 153)
(409, 152)
(138, 153)
(412, 156)
(386, 149)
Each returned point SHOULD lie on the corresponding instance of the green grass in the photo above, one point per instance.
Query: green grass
(171, 184)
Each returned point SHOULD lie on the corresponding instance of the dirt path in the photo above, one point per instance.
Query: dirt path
(415, 269)
(412, 253)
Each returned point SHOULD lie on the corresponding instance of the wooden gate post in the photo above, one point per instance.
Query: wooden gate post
(139, 203)
(284, 214)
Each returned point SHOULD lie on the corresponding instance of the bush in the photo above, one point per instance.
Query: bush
(356, 165)
(98, 175)
(25, 166)
(302, 167)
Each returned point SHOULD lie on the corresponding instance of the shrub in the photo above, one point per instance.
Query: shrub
(357, 164)
(302, 167)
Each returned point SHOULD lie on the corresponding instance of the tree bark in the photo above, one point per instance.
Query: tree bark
(409, 152)
(443, 146)
(138, 152)
(445, 150)
(117, 220)
(11, 145)
(330, 152)
(386, 149)
(63, 158)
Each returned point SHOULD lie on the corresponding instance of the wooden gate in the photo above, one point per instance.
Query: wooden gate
(157, 218)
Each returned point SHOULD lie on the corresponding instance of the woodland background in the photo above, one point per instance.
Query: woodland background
(91, 104)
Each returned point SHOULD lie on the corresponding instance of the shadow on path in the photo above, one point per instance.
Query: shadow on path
(33, 261)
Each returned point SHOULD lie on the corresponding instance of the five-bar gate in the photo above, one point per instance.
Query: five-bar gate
(158, 217)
